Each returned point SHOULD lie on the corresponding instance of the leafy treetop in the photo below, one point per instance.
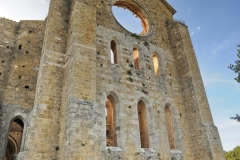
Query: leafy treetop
(236, 67)
(234, 154)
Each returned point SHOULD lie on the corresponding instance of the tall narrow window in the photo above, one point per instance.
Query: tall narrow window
(169, 127)
(113, 52)
(14, 139)
(110, 122)
(156, 66)
(143, 125)
(136, 58)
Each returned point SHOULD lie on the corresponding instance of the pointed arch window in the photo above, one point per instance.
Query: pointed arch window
(169, 125)
(136, 58)
(110, 122)
(156, 65)
(14, 139)
(143, 124)
(113, 52)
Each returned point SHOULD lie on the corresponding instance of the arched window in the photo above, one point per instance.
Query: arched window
(14, 139)
(156, 66)
(113, 52)
(110, 122)
(143, 124)
(136, 58)
(169, 127)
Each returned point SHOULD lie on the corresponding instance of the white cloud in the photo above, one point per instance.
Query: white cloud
(198, 28)
(227, 124)
(192, 33)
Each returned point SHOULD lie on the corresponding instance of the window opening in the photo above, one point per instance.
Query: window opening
(143, 125)
(136, 58)
(156, 66)
(20, 47)
(110, 122)
(14, 139)
(137, 19)
(113, 52)
(168, 118)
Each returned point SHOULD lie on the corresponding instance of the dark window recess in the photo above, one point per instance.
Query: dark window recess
(27, 87)
(3, 61)
(29, 41)
(19, 77)
(27, 52)
(0, 73)
(20, 47)
(30, 31)
(23, 66)
(7, 46)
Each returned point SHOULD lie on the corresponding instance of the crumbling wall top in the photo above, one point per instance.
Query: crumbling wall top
(169, 7)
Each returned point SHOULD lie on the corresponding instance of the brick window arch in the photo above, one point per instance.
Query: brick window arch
(113, 52)
(143, 124)
(136, 58)
(110, 122)
(14, 139)
(156, 65)
(169, 126)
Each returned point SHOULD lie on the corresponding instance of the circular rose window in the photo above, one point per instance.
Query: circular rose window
(132, 17)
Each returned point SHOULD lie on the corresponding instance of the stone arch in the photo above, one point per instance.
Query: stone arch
(14, 143)
(169, 126)
(156, 64)
(143, 124)
(13, 114)
(16, 137)
(112, 109)
(110, 122)
(144, 99)
(136, 57)
(161, 63)
(114, 95)
(114, 53)
(114, 50)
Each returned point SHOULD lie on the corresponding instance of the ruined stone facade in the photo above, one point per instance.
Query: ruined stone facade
(61, 96)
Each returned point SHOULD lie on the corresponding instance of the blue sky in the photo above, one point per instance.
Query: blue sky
(214, 27)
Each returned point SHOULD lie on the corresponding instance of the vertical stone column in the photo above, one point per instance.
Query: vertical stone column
(198, 118)
(7, 41)
(42, 136)
(78, 137)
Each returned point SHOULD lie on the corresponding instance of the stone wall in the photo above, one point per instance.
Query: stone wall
(58, 75)
(19, 70)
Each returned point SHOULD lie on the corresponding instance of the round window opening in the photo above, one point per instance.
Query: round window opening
(131, 17)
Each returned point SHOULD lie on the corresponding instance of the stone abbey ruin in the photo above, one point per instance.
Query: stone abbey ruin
(62, 98)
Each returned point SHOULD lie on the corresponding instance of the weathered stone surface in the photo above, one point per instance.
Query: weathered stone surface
(57, 74)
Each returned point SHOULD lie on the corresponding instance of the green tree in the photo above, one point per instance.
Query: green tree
(236, 118)
(236, 67)
(234, 154)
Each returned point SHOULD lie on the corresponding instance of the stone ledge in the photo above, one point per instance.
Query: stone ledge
(176, 154)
